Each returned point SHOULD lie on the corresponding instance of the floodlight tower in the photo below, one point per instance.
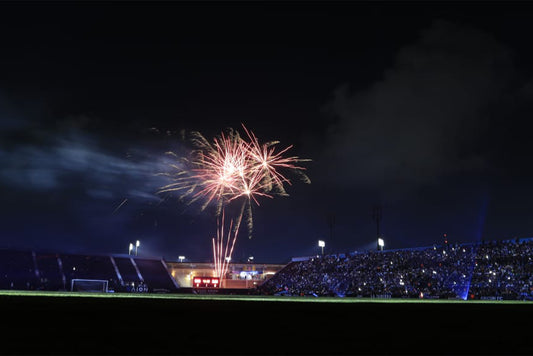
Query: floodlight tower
(331, 224)
(376, 216)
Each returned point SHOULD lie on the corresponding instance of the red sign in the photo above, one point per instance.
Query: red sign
(206, 282)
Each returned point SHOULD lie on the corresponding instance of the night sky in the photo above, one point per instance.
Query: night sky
(420, 108)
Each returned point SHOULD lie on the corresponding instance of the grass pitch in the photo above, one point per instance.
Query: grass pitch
(251, 298)
(79, 323)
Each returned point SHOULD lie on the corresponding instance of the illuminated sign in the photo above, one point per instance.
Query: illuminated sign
(206, 282)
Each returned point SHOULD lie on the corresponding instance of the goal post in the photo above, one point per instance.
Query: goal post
(89, 285)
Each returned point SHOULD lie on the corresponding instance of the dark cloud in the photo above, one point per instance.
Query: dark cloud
(75, 160)
(65, 186)
(427, 118)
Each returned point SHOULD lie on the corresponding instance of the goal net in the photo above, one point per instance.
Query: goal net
(89, 285)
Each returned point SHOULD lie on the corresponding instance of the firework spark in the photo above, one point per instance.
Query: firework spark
(227, 169)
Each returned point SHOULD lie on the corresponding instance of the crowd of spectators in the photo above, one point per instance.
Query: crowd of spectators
(485, 270)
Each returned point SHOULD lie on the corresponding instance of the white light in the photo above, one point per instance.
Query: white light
(381, 243)
(181, 258)
(321, 243)
(137, 244)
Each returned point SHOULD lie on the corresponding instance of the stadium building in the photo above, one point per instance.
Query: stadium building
(239, 276)
(53, 271)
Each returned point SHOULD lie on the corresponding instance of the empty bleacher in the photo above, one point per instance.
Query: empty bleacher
(155, 275)
(127, 270)
(17, 270)
(77, 266)
(50, 273)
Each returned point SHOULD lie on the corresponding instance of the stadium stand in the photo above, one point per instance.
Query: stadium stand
(51, 276)
(28, 270)
(494, 270)
(17, 270)
(486, 270)
(155, 275)
(128, 271)
(76, 266)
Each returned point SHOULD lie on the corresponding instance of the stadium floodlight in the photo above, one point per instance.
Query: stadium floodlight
(181, 258)
(381, 243)
(322, 243)
(137, 244)
(131, 248)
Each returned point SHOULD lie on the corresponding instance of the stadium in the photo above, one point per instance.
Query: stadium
(442, 299)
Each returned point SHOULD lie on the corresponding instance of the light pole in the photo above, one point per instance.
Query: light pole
(131, 248)
(181, 258)
(381, 243)
(137, 244)
(321, 243)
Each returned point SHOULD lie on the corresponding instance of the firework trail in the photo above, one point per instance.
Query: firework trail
(222, 250)
(227, 169)
(120, 205)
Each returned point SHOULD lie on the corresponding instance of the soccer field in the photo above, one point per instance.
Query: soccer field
(251, 298)
(80, 323)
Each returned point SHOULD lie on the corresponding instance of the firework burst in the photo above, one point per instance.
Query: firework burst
(227, 169)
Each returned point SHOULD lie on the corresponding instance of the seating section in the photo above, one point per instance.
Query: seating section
(155, 275)
(89, 267)
(486, 270)
(50, 272)
(127, 270)
(28, 270)
(17, 270)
